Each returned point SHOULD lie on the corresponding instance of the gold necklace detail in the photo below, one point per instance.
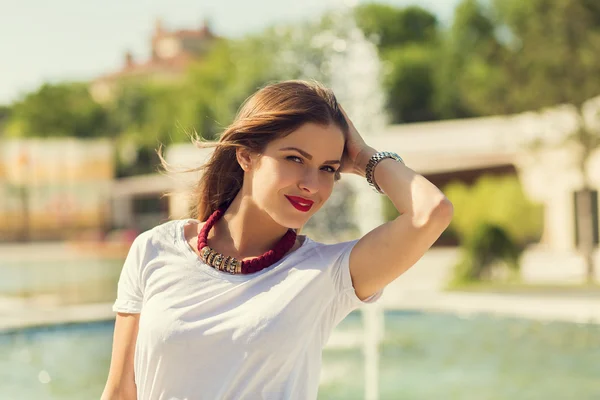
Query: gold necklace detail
(220, 261)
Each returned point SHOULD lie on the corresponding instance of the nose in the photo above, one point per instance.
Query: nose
(309, 182)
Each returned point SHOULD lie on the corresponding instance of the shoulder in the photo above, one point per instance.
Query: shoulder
(334, 261)
(329, 253)
(161, 236)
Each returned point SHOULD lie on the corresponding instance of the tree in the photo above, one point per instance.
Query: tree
(410, 83)
(65, 109)
(552, 52)
(466, 68)
(408, 40)
(551, 56)
(391, 26)
(5, 113)
(217, 85)
(146, 114)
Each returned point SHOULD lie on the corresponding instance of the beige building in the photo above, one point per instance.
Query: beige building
(54, 188)
(172, 52)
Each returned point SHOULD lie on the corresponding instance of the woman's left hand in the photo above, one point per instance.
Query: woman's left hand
(356, 152)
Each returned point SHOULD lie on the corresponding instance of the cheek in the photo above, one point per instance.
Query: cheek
(285, 173)
(274, 176)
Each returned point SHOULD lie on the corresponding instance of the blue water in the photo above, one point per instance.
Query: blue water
(423, 356)
(70, 280)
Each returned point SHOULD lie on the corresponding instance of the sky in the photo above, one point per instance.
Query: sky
(50, 41)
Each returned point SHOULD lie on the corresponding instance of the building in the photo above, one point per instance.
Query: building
(54, 189)
(171, 53)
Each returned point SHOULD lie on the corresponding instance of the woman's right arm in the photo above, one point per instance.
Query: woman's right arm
(120, 384)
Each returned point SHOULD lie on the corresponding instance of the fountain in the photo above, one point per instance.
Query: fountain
(336, 53)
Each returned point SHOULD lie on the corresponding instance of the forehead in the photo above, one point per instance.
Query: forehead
(326, 138)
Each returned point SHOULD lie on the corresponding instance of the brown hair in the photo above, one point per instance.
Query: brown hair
(272, 112)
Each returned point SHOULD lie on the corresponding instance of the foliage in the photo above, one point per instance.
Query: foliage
(467, 62)
(144, 116)
(5, 113)
(551, 57)
(408, 41)
(217, 86)
(494, 221)
(549, 43)
(391, 26)
(410, 83)
(489, 251)
(65, 109)
(205, 102)
(497, 201)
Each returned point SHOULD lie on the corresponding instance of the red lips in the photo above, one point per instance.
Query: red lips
(300, 203)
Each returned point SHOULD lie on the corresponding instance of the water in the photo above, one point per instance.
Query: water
(422, 356)
(69, 280)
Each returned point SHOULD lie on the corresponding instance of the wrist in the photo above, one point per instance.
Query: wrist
(362, 160)
(372, 166)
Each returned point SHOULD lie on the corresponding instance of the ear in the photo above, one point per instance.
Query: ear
(244, 158)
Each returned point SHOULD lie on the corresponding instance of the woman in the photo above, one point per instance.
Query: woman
(236, 305)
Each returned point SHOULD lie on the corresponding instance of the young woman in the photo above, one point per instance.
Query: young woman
(234, 304)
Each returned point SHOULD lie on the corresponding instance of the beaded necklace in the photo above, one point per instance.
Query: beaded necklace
(234, 266)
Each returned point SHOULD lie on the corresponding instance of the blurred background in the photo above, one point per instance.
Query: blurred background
(495, 101)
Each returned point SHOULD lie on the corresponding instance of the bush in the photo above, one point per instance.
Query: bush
(489, 251)
(498, 201)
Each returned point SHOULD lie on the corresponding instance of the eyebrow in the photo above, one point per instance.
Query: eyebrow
(305, 154)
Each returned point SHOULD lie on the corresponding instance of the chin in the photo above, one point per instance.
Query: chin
(292, 223)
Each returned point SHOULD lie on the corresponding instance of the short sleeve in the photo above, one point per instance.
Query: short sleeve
(342, 278)
(346, 299)
(129, 290)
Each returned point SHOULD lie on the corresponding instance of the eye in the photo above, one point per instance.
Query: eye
(294, 158)
(330, 169)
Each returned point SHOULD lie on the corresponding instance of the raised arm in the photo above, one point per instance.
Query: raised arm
(120, 384)
(389, 250)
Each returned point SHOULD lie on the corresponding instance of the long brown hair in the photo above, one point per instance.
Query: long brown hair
(272, 112)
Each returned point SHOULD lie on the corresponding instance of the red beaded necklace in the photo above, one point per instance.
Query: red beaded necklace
(234, 266)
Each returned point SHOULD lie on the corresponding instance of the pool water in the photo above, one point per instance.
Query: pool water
(67, 281)
(422, 356)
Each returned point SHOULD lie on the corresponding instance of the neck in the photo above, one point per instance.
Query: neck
(245, 231)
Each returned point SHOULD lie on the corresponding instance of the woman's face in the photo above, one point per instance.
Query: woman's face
(294, 176)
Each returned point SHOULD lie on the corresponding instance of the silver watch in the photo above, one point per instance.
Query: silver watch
(373, 161)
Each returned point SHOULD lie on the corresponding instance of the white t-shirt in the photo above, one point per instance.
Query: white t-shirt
(207, 334)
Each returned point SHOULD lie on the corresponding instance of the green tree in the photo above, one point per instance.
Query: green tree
(146, 115)
(408, 41)
(553, 52)
(467, 64)
(217, 86)
(5, 113)
(551, 57)
(410, 83)
(137, 129)
(65, 109)
(391, 26)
